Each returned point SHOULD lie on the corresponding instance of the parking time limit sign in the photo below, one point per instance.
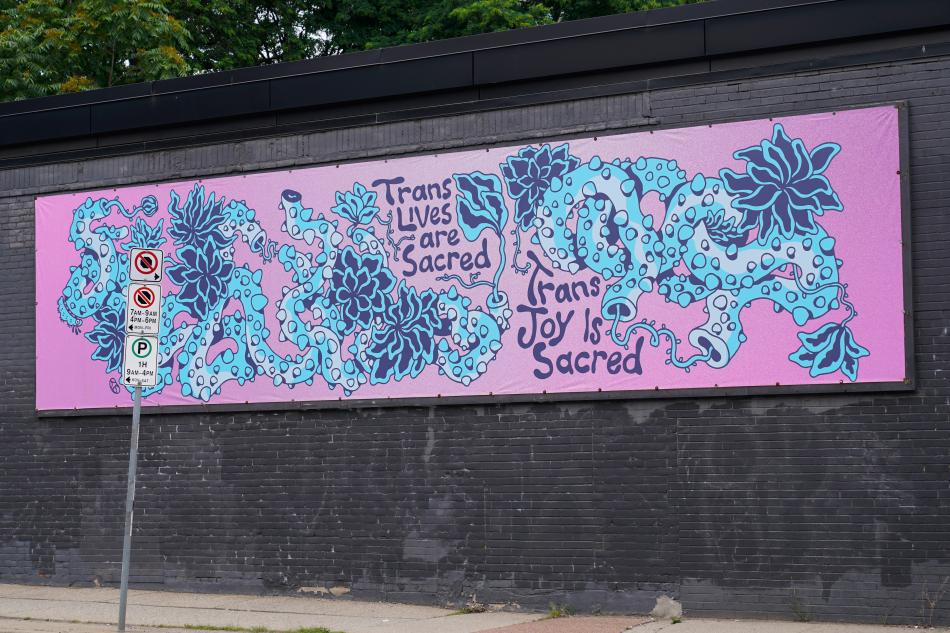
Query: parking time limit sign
(141, 361)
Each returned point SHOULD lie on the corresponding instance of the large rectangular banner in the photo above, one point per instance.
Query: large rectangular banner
(749, 254)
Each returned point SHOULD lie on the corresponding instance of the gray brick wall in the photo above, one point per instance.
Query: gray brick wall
(820, 506)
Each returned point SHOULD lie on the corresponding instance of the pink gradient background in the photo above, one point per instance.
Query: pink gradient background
(868, 234)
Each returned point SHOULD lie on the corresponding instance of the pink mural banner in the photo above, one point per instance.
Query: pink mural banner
(748, 254)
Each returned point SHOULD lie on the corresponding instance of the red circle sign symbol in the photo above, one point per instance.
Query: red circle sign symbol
(145, 263)
(143, 297)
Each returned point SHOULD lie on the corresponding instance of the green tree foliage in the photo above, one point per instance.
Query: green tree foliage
(562, 10)
(354, 25)
(454, 18)
(227, 34)
(51, 46)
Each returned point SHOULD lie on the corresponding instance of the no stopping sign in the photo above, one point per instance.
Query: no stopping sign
(143, 308)
(145, 264)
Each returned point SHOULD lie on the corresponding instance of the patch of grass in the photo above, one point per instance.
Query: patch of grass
(677, 620)
(470, 608)
(932, 601)
(558, 611)
(473, 606)
(800, 610)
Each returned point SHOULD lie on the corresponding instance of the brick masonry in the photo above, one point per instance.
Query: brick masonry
(832, 506)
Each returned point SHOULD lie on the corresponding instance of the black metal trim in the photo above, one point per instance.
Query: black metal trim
(645, 39)
(903, 113)
(908, 384)
(500, 399)
(277, 129)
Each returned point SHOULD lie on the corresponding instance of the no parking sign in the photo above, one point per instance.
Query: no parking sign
(145, 264)
(143, 310)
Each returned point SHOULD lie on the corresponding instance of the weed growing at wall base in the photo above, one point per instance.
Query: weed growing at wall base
(558, 611)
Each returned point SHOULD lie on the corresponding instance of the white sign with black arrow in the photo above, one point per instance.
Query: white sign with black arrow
(145, 264)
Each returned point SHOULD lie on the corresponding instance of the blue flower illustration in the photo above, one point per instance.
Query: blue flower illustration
(723, 230)
(196, 224)
(109, 336)
(783, 187)
(358, 206)
(203, 276)
(407, 341)
(828, 349)
(359, 288)
(145, 236)
(148, 206)
(480, 204)
(529, 174)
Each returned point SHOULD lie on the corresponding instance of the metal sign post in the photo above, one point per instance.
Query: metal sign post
(129, 501)
(140, 368)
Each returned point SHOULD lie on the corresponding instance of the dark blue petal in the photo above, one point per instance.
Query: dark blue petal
(737, 183)
(495, 205)
(803, 168)
(524, 213)
(177, 275)
(751, 155)
(189, 256)
(829, 359)
(750, 220)
(852, 348)
(761, 198)
(821, 156)
(188, 293)
(543, 157)
(803, 221)
(777, 161)
(828, 201)
(798, 202)
(803, 357)
(519, 166)
(820, 338)
(849, 367)
(387, 280)
(780, 138)
(766, 174)
(472, 219)
(811, 186)
(203, 286)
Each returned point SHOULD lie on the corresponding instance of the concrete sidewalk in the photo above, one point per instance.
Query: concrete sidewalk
(32, 609)
(24, 608)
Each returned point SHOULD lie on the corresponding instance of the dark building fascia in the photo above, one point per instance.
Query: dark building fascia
(606, 55)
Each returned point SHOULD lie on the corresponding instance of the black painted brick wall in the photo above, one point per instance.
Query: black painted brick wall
(819, 506)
